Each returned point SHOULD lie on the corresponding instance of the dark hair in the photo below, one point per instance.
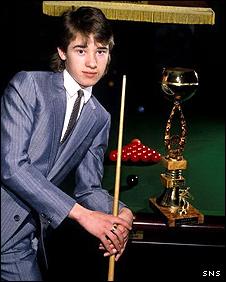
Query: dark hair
(84, 20)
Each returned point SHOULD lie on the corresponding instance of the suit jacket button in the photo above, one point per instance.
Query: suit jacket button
(43, 215)
(16, 217)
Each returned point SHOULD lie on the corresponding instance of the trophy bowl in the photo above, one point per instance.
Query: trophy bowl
(179, 84)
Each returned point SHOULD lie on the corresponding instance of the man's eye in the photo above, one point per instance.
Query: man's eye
(100, 52)
(80, 51)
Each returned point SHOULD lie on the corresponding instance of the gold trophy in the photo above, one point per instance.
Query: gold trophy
(178, 85)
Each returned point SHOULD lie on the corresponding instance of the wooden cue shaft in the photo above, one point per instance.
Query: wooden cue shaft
(118, 173)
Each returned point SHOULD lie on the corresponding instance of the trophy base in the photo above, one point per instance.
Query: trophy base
(193, 216)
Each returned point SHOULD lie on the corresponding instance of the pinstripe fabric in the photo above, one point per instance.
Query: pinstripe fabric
(19, 260)
(34, 163)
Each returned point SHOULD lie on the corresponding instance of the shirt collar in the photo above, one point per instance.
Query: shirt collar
(72, 86)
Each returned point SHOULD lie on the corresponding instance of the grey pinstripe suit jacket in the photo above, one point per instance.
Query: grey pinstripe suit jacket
(33, 163)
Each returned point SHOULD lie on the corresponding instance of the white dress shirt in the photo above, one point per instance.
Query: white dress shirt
(72, 87)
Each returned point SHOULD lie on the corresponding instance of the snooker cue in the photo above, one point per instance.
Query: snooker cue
(118, 172)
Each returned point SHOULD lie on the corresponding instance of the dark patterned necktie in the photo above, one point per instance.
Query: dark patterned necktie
(74, 115)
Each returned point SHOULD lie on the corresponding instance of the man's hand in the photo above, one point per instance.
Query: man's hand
(100, 225)
(127, 215)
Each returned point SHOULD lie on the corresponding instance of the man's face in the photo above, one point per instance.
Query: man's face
(85, 60)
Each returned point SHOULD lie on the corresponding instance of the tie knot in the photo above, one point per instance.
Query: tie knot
(80, 93)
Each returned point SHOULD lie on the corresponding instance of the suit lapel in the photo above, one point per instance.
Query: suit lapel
(58, 108)
(82, 129)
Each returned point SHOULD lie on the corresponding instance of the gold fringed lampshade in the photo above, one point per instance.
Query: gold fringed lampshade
(141, 12)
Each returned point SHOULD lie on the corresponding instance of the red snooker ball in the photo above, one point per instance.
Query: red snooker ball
(113, 155)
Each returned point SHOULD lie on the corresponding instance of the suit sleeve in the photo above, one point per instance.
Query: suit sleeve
(88, 187)
(18, 174)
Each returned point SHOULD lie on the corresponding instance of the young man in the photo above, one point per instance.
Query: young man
(39, 151)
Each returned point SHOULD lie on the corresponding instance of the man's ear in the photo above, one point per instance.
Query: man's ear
(61, 54)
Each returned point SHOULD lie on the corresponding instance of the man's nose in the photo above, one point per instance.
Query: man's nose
(91, 60)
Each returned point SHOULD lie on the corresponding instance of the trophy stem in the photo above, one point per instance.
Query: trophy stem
(175, 144)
